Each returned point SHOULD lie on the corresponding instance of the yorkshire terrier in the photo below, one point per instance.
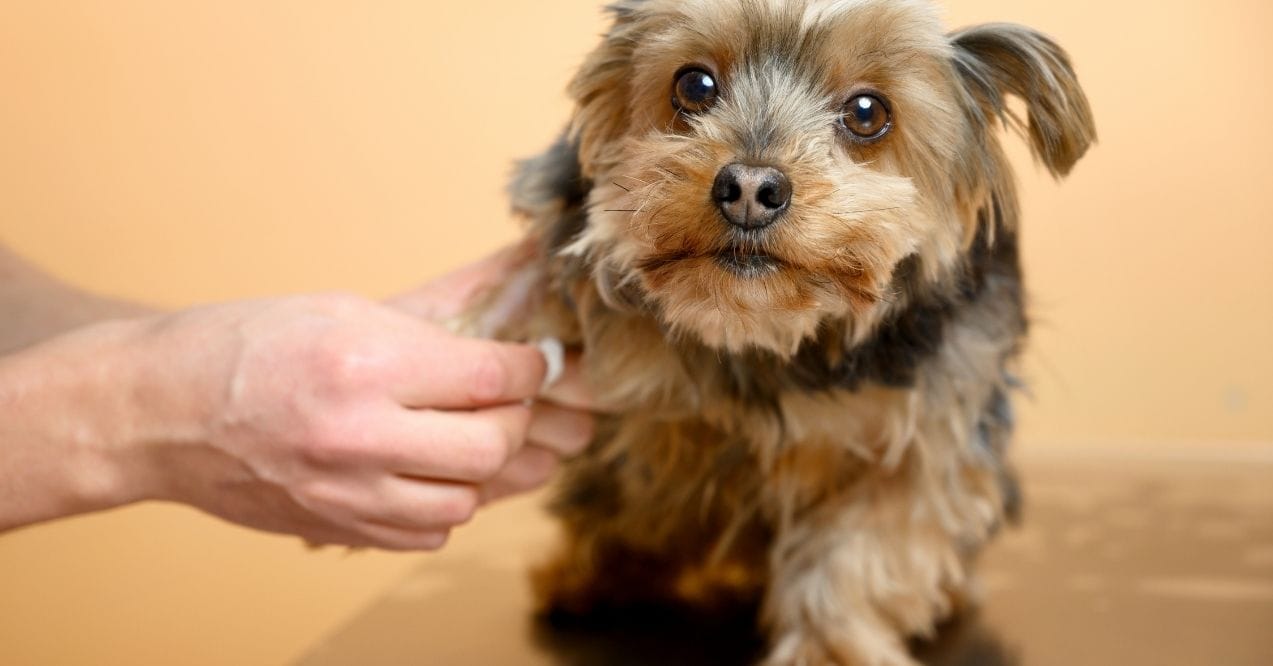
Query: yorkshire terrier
(786, 234)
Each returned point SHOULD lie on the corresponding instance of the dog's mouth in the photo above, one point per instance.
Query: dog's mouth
(747, 262)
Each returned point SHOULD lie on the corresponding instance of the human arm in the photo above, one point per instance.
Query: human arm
(35, 306)
(331, 417)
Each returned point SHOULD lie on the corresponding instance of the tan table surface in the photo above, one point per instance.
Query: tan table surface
(1156, 560)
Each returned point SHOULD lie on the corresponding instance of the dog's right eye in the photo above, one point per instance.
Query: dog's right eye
(694, 91)
(867, 116)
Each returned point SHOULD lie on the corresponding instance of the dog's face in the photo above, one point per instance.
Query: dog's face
(763, 167)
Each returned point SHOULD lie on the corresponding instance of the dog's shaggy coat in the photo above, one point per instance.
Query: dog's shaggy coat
(822, 425)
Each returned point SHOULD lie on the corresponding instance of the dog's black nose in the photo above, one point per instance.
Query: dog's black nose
(751, 197)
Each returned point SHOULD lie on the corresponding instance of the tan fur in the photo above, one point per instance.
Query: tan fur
(828, 436)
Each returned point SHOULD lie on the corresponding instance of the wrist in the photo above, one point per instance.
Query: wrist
(65, 427)
(111, 370)
(154, 428)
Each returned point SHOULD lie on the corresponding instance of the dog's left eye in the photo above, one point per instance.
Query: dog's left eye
(867, 117)
(694, 91)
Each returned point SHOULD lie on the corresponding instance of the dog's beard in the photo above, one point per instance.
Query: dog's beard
(655, 229)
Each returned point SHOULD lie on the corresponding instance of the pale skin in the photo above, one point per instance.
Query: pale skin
(332, 417)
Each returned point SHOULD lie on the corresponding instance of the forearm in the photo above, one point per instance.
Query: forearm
(35, 306)
(66, 445)
(330, 417)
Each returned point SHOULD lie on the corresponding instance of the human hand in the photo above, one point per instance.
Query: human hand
(448, 296)
(342, 420)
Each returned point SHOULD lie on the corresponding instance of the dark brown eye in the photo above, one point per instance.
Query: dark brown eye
(867, 117)
(694, 91)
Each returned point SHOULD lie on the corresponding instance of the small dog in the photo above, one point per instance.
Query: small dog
(785, 232)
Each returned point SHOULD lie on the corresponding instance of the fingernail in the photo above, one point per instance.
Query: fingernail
(554, 357)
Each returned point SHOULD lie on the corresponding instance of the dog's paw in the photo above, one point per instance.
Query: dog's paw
(590, 578)
(797, 649)
(563, 589)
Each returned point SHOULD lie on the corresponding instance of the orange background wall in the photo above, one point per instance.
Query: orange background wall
(180, 152)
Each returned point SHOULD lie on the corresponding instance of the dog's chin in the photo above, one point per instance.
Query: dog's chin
(747, 263)
(737, 300)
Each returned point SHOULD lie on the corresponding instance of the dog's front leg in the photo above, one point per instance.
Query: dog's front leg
(851, 582)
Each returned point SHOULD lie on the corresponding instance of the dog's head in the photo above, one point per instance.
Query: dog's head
(760, 168)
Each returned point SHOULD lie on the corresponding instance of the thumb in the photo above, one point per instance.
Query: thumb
(448, 295)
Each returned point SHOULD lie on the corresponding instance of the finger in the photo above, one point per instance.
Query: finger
(279, 511)
(531, 468)
(321, 538)
(453, 446)
(451, 372)
(389, 537)
(572, 389)
(413, 504)
(565, 431)
(336, 513)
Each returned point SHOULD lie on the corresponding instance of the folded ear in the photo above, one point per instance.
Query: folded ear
(999, 59)
(550, 192)
(601, 86)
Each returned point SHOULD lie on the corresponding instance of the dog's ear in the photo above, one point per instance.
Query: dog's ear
(550, 191)
(998, 60)
(532, 301)
(602, 87)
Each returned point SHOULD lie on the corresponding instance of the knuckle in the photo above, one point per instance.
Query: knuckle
(579, 437)
(488, 449)
(318, 452)
(521, 419)
(537, 468)
(459, 508)
(543, 466)
(385, 540)
(433, 540)
(338, 303)
(336, 440)
(320, 496)
(488, 378)
(339, 352)
(586, 435)
(321, 442)
(340, 363)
